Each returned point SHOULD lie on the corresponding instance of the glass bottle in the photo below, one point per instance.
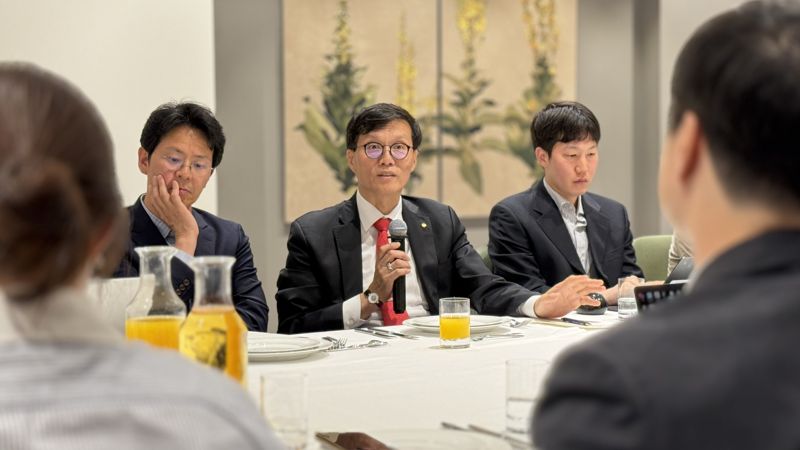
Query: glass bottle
(156, 313)
(213, 333)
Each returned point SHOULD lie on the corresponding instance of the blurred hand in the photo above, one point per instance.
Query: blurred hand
(567, 296)
(359, 441)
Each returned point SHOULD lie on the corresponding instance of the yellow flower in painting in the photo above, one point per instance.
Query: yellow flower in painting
(406, 70)
(471, 20)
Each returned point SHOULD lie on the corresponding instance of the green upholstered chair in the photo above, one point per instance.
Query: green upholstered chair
(652, 255)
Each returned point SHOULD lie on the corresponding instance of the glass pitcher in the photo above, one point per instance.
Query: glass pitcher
(156, 313)
(213, 333)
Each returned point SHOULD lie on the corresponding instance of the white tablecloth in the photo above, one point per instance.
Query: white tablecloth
(414, 384)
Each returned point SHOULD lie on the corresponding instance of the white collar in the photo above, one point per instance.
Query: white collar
(368, 213)
(561, 201)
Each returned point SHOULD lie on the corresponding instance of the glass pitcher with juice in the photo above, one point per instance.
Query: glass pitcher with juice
(213, 333)
(156, 313)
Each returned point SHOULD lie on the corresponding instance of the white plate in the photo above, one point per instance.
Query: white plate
(287, 356)
(476, 323)
(439, 439)
(263, 347)
(278, 343)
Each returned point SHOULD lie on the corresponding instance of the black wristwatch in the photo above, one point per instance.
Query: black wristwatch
(372, 297)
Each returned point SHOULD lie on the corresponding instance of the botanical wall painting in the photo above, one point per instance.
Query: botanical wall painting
(472, 71)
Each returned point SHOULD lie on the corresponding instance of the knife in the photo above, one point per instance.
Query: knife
(395, 333)
(373, 332)
(516, 443)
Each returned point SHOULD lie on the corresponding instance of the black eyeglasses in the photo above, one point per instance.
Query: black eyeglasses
(374, 150)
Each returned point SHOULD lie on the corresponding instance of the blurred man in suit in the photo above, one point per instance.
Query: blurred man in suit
(555, 229)
(181, 145)
(716, 368)
(337, 277)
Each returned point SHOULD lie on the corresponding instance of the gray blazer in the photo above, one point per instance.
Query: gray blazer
(717, 368)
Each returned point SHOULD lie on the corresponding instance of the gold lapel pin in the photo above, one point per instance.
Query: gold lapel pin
(423, 225)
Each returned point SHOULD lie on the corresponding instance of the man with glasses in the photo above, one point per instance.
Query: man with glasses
(340, 268)
(181, 145)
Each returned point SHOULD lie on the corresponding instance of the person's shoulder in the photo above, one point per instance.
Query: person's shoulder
(427, 204)
(518, 200)
(325, 217)
(176, 377)
(215, 219)
(605, 202)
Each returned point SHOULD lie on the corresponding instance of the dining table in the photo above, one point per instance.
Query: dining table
(413, 383)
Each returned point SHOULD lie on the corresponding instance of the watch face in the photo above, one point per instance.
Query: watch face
(373, 298)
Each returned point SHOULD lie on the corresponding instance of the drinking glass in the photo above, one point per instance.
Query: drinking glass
(626, 302)
(454, 322)
(523, 380)
(156, 313)
(283, 404)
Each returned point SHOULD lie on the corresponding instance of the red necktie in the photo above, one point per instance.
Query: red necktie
(387, 307)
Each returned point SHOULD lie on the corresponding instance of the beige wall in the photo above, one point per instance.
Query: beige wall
(127, 56)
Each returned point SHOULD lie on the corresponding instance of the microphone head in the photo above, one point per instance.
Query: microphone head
(398, 228)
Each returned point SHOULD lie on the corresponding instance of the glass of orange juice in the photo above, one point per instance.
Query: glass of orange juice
(454, 322)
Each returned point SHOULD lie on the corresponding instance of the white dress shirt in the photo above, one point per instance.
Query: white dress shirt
(351, 308)
(575, 221)
(69, 381)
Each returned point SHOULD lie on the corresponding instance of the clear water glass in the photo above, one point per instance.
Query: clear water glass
(626, 302)
(284, 405)
(523, 383)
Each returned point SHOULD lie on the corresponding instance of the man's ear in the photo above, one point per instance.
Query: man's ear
(542, 157)
(690, 143)
(350, 155)
(144, 161)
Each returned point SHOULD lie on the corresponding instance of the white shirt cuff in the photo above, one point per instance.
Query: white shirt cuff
(526, 309)
(351, 312)
(183, 256)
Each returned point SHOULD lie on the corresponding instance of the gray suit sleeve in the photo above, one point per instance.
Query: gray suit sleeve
(589, 402)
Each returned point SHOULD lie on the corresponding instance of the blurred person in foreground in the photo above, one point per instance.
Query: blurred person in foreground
(181, 146)
(718, 367)
(339, 274)
(67, 379)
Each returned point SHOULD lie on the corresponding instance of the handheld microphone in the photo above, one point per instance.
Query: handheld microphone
(398, 230)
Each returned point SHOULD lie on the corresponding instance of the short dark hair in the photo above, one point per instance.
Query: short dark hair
(378, 116)
(739, 74)
(563, 122)
(169, 116)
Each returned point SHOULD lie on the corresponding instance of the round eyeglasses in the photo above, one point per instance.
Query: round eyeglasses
(374, 150)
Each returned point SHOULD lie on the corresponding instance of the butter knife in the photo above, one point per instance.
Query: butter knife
(395, 333)
(374, 332)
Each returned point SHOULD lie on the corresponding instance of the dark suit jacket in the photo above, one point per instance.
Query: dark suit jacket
(323, 268)
(529, 243)
(217, 237)
(717, 368)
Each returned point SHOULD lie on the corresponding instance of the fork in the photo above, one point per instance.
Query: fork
(518, 323)
(337, 343)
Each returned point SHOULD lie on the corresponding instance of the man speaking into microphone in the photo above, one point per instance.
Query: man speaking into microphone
(342, 266)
